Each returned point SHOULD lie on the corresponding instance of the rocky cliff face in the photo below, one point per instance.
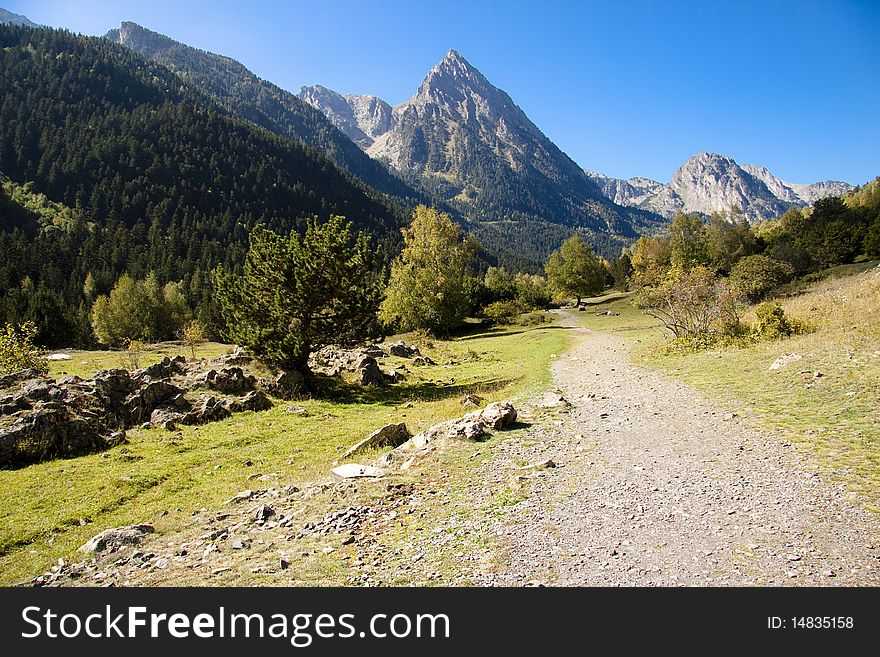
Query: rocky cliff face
(469, 142)
(361, 118)
(709, 183)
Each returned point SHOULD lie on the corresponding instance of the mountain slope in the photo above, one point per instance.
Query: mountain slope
(709, 183)
(161, 178)
(476, 148)
(253, 99)
(8, 18)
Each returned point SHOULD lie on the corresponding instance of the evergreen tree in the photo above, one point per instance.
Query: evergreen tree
(299, 293)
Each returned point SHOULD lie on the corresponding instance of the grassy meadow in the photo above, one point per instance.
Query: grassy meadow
(48, 510)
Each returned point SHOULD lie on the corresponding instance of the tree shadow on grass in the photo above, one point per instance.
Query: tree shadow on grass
(340, 391)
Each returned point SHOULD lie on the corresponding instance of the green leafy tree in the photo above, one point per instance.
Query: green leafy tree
(299, 293)
(18, 351)
(429, 287)
(687, 241)
(574, 270)
(754, 276)
(140, 310)
(649, 261)
(727, 240)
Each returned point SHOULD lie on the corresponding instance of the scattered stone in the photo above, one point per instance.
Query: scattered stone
(356, 470)
(111, 540)
(423, 361)
(472, 401)
(784, 360)
(296, 410)
(263, 513)
(389, 435)
(546, 463)
(403, 350)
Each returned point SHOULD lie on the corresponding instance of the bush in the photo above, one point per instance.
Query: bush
(501, 312)
(532, 291)
(773, 324)
(18, 351)
(139, 310)
(752, 277)
(695, 305)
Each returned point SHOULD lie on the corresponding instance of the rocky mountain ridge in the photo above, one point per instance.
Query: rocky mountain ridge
(709, 182)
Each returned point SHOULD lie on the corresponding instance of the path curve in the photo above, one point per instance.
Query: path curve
(657, 486)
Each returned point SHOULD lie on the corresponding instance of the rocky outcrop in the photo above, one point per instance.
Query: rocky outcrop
(112, 540)
(361, 362)
(43, 418)
(476, 425)
(390, 435)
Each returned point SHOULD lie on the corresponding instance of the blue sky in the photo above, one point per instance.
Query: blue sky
(625, 88)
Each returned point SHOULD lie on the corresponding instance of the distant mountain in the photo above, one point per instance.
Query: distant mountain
(709, 183)
(8, 18)
(362, 118)
(473, 146)
(247, 96)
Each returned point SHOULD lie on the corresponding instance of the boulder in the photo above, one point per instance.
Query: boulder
(498, 415)
(423, 361)
(473, 426)
(784, 360)
(390, 435)
(356, 470)
(229, 380)
(288, 385)
(403, 350)
(368, 372)
(112, 540)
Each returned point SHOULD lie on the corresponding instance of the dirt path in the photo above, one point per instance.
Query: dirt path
(657, 486)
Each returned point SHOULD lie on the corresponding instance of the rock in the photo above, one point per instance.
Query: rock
(403, 350)
(472, 401)
(263, 513)
(423, 361)
(784, 360)
(369, 373)
(473, 426)
(389, 435)
(111, 540)
(356, 470)
(288, 385)
(297, 410)
(394, 376)
(554, 400)
(546, 463)
(243, 496)
(255, 400)
(57, 357)
(229, 380)
(498, 415)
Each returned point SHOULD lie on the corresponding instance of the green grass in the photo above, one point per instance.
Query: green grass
(48, 510)
(834, 416)
(85, 363)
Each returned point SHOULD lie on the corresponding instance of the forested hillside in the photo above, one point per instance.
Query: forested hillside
(156, 177)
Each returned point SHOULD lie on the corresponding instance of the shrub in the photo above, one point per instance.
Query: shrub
(193, 335)
(696, 306)
(501, 312)
(18, 351)
(773, 324)
(754, 276)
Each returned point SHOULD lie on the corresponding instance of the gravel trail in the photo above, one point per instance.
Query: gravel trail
(655, 485)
